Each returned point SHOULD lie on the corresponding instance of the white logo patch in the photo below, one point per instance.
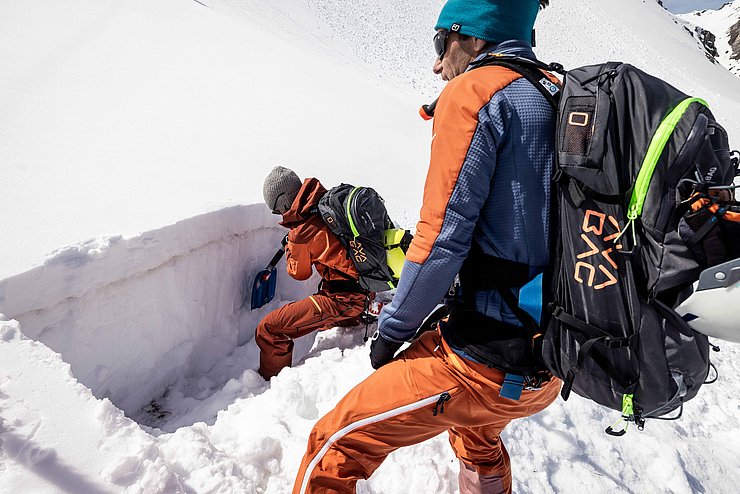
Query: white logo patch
(551, 88)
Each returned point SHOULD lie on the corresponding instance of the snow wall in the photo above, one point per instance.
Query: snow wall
(131, 315)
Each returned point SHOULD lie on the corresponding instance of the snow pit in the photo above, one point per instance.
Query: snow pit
(134, 316)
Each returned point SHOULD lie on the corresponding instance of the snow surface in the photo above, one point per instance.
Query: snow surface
(134, 138)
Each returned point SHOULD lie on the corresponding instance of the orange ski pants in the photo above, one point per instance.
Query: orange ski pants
(403, 403)
(323, 310)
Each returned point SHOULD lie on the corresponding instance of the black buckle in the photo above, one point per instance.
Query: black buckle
(614, 342)
(555, 310)
(556, 67)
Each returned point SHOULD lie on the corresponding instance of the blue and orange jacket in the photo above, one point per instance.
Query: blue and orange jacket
(489, 180)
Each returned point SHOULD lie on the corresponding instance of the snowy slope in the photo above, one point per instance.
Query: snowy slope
(724, 23)
(104, 111)
(134, 140)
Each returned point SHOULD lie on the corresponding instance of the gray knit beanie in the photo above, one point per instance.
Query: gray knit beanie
(280, 189)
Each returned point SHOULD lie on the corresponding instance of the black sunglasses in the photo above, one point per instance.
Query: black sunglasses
(440, 42)
(274, 208)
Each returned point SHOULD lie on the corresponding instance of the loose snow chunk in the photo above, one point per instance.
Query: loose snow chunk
(9, 330)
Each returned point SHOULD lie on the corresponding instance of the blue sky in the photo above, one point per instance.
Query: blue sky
(683, 6)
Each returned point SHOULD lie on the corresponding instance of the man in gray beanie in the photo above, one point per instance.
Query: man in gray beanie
(340, 299)
(280, 189)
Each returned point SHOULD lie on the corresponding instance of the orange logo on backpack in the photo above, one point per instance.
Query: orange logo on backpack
(594, 223)
(358, 251)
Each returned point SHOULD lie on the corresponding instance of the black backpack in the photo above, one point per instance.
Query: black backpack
(634, 155)
(359, 219)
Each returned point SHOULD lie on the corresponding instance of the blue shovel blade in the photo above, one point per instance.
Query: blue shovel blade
(263, 289)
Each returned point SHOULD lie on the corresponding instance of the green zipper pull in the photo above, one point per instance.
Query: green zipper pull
(628, 406)
(628, 415)
(629, 226)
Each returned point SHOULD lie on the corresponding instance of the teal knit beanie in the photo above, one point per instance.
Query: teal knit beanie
(490, 20)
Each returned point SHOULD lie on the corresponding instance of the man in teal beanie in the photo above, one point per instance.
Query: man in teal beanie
(490, 20)
(478, 25)
(485, 217)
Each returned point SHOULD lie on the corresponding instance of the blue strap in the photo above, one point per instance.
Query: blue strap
(512, 387)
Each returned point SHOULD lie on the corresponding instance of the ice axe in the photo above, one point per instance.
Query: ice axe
(263, 288)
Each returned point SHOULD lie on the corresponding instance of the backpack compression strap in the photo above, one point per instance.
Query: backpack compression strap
(590, 335)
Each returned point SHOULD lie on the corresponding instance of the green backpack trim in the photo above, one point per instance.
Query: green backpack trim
(349, 213)
(655, 150)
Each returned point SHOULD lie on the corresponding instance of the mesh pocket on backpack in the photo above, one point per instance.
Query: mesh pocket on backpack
(577, 125)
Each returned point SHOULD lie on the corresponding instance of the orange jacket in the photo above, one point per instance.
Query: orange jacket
(310, 242)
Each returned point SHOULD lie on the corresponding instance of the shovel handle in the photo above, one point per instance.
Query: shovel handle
(276, 258)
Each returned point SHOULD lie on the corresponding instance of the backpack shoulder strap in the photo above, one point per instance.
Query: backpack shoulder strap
(532, 70)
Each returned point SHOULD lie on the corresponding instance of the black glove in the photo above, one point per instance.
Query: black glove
(406, 241)
(382, 351)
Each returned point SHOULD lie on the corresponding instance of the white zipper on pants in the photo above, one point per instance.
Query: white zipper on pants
(369, 420)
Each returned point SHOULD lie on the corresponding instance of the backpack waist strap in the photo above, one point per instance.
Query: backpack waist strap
(511, 348)
(341, 286)
(481, 271)
(491, 342)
